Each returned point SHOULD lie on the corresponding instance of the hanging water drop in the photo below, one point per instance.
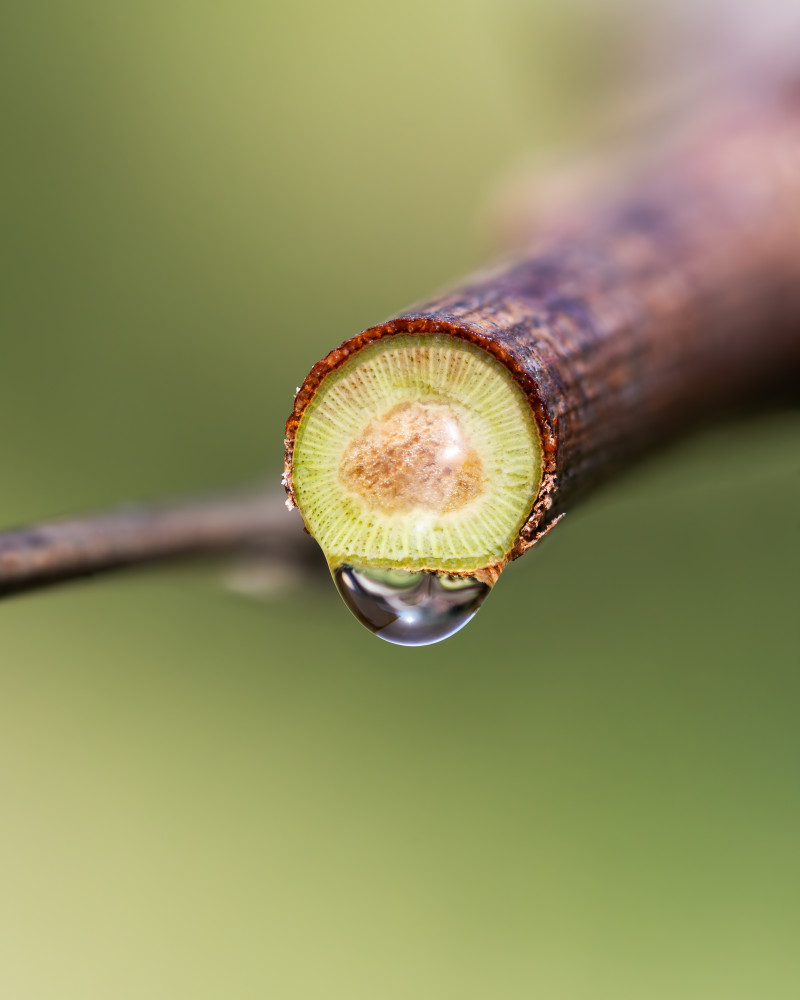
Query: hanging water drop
(410, 608)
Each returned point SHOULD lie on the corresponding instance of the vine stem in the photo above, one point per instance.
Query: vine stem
(632, 317)
(667, 296)
(252, 521)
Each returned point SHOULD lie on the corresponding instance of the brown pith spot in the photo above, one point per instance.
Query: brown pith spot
(417, 455)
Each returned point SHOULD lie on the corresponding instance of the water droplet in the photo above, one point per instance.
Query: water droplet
(410, 608)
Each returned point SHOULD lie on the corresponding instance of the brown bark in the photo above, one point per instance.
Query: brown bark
(643, 314)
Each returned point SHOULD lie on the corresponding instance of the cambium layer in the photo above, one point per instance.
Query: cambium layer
(611, 332)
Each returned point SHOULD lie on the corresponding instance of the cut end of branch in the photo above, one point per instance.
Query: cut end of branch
(415, 452)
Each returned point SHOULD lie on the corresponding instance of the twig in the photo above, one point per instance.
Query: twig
(250, 522)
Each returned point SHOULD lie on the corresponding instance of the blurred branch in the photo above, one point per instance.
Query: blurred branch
(255, 523)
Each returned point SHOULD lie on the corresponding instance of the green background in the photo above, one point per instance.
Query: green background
(593, 791)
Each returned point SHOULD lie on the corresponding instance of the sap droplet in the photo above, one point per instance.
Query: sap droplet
(410, 608)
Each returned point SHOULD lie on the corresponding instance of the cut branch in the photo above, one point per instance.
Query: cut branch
(636, 316)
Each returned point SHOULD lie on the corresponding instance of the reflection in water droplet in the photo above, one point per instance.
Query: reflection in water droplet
(410, 608)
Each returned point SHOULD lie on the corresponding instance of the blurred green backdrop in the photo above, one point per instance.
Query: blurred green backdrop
(205, 797)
